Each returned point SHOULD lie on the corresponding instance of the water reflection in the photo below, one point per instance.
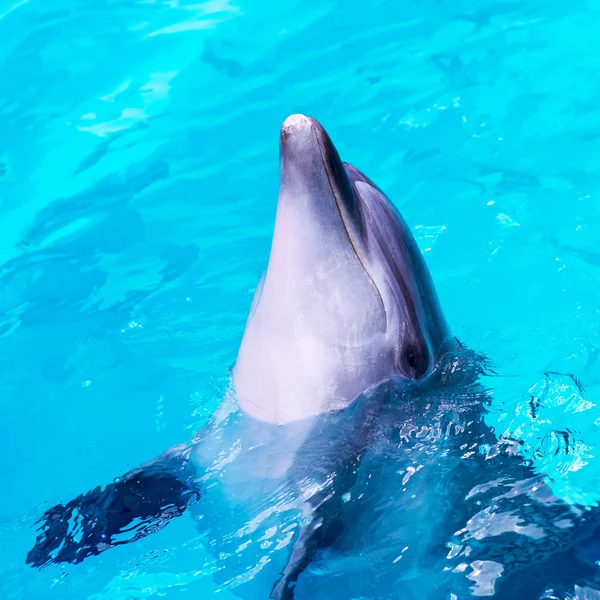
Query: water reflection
(413, 494)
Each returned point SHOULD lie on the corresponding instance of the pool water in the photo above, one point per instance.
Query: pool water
(138, 185)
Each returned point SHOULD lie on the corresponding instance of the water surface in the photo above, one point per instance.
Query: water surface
(138, 183)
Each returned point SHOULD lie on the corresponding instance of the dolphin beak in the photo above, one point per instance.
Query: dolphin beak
(311, 164)
(297, 125)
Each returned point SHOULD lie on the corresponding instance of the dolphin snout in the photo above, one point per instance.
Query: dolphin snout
(311, 168)
(296, 125)
(302, 145)
(304, 136)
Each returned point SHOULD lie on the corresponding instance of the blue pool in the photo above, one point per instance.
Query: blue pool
(138, 187)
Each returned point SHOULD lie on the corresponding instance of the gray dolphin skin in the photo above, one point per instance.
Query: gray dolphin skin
(347, 300)
(353, 429)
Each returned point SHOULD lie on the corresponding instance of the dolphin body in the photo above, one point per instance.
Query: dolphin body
(346, 365)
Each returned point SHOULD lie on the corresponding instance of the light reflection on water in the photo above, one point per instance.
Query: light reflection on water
(138, 181)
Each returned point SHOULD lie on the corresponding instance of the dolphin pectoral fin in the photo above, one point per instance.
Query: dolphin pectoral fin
(317, 533)
(303, 552)
(127, 510)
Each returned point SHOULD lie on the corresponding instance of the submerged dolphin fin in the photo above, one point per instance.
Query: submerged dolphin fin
(319, 532)
(323, 512)
(140, 503)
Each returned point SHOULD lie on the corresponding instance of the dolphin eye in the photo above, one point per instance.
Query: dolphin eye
(415, 363)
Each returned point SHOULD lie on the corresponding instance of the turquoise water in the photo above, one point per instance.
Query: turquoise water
(138, 184)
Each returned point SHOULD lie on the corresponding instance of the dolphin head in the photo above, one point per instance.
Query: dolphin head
(347, 300)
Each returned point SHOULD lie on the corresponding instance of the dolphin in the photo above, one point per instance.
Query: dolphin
(346, 359)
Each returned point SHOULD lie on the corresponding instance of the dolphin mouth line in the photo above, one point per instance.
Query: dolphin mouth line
(347, 229)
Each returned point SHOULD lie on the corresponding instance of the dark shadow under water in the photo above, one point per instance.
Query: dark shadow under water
(428, 504)
(442, 508)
